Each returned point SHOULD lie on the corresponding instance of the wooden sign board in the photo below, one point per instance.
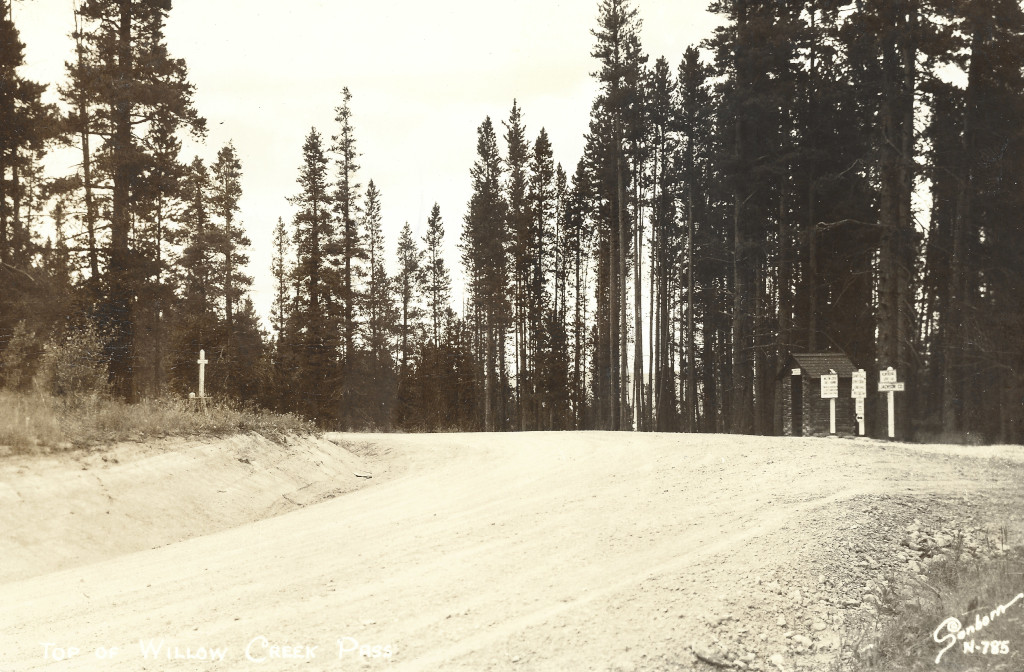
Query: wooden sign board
(892, 387)
(887, 376)
(829, 386)
(859, 389)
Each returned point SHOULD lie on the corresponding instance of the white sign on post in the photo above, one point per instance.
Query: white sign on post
(830, 391)
(859, 387)
(829, 386)
(887, 383)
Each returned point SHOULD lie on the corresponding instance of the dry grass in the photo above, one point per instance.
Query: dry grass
(907, 636)
(39, 422)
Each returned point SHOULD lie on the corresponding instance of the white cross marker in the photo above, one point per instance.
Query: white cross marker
(202, 362)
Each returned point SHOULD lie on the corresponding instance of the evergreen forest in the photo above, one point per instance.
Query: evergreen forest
(817, 175)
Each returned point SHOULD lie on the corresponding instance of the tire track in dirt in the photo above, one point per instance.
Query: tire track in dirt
(553, 549)
(710, 547)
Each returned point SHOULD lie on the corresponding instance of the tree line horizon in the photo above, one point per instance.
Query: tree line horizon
(754, 200)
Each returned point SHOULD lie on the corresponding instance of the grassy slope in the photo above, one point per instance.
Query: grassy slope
(32, 422)
(909, 633)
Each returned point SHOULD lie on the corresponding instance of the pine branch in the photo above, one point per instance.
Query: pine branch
(15, 269)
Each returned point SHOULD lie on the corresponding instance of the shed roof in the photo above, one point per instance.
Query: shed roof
(815, 364)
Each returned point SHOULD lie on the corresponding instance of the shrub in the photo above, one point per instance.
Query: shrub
(31, 422)
(75, 364)
(19, 360)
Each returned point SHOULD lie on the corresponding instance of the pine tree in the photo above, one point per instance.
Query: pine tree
(615, 118)
(484, 241)
(28, 304)
(520, 227)
(316, 321)
(196, 237)
(83, 121)
(25, 126)
(378, 302)
(226, 191)
(196, 326)
(542, 205)
(346, 207)
(127, 72)
(696, 128)
(375, 383)
(408, 282)
(664, 241)
(576, 243)
(157, 206)
(437, 285)
(280, 268)
(972, 263)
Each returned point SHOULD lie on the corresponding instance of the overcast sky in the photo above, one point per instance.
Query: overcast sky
(423, 75)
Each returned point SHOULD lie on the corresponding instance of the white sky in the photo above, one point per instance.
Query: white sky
(423, 75)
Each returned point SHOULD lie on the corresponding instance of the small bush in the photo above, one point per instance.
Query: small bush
(75, 364)
(19, 360)
(28, 421)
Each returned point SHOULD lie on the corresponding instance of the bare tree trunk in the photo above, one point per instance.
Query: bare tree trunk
(489, 375)
(952, 324)
(741, 415)
(502, 378)
(654, 370)
(784, 344)
(613, 324)
(907, 239)
(813, 273)
(623, 271)
(639, 412)
(690, 404)
(577, 345)
(121, 304)
(90, 204)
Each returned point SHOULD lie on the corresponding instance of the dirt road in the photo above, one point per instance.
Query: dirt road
(546, 551)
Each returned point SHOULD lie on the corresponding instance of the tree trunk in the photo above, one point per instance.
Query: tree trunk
(613, 324)
(742, 411)
(952, 324)
(907, 239)
(691, 368)
(624, 419)
(639, 411)
(121, 299)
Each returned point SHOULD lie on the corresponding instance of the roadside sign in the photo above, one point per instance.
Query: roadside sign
(887, 383)
(829, 386)
(859, 389)
(859, 401)
(795, 372)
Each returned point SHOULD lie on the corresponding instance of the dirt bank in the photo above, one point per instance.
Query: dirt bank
(68, 509)
(584, 551)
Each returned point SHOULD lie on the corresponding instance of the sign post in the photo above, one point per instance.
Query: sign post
(202, 362)
(887, 383)
(859, 390)
(830, 391)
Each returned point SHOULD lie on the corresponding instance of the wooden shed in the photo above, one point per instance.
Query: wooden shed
(804, 412)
